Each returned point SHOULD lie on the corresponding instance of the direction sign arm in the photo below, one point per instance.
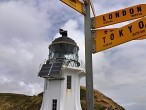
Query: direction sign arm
(76, 5)
(118, 16)
(108, 38)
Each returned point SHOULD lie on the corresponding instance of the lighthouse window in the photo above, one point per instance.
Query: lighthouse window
(68, 82)
(54, 104)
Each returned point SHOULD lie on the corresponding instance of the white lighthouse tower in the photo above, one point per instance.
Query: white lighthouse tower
(62, 73)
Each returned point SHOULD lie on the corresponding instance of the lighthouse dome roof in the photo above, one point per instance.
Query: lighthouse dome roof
(63, 40)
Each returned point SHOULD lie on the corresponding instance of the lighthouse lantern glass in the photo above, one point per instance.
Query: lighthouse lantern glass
(63, 50)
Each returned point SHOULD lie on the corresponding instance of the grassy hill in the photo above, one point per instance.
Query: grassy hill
(9, 101)
(101, 102)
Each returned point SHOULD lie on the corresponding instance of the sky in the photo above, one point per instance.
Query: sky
(27, 27)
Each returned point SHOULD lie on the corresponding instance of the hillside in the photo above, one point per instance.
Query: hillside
(101, 102)
(10, 101)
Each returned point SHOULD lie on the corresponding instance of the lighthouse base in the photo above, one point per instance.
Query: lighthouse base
(63, 94)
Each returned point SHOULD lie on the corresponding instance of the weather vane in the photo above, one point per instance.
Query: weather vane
(63, 32)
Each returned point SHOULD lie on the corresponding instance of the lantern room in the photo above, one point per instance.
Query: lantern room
(62, 51)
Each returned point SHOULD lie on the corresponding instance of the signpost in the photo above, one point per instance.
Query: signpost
(78, 6)
(75, 4)
(119, 16)
(103, 39)
(114, 37)
(88, 59)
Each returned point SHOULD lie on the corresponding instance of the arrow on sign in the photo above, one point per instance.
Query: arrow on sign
(105, 40)
(119, 16)
(75, 4)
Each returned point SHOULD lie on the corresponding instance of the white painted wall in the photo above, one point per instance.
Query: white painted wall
(52, 91)
(67, 99)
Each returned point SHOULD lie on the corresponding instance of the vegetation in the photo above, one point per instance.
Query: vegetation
(101, 102)
(19, 102)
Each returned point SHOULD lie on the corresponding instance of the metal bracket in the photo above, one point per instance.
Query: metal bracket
(83, 9)
(92, 23)
(93, 41)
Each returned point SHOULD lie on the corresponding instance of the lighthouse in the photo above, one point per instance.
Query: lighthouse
(62, 72)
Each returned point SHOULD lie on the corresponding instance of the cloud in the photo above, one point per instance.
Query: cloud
(10, 86)
(23, 45)
(27, 27)
(123, 76)
(25, 33)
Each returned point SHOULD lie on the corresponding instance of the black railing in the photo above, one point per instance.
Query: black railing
(66, 62)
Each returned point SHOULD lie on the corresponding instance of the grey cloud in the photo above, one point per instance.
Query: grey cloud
(23, 45)
(124, 78)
